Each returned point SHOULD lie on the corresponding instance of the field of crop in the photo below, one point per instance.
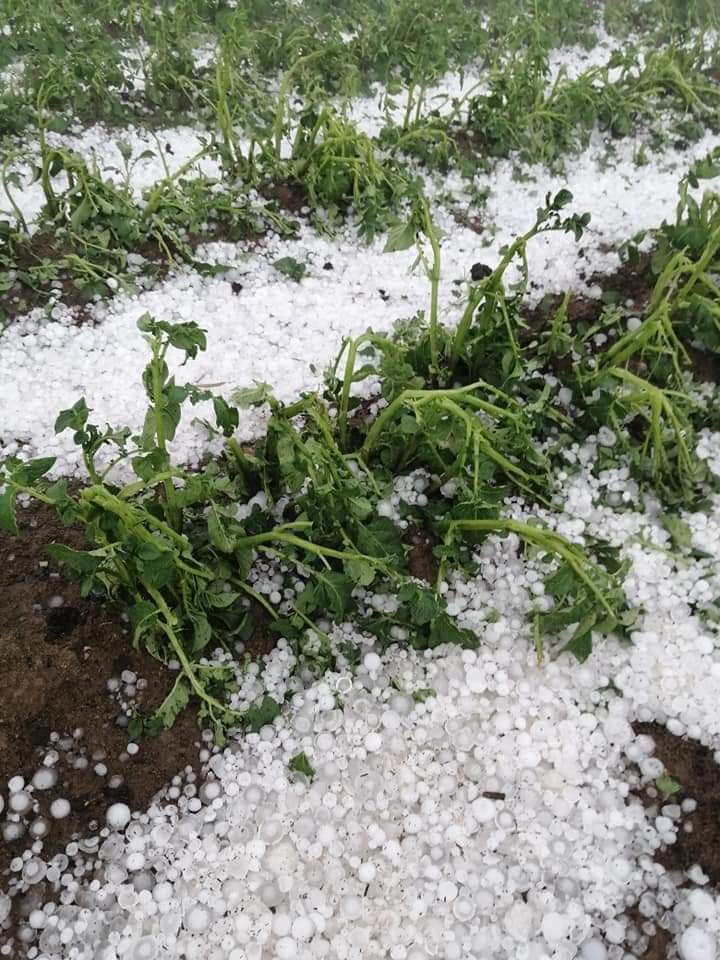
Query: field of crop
(359, 480)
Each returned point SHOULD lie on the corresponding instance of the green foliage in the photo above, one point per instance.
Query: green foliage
(470, 406)
(218, 65)
(524, 113)
(667, 786)
(290, 267)
(301, 765)
(89, 226)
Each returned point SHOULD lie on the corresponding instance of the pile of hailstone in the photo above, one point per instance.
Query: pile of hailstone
(463, 805)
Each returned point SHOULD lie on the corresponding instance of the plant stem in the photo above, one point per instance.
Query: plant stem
(8, 193)
(541, 537)
(392, 409)
(260, 539)
(433, 272)
(169, 620)
(158, 407)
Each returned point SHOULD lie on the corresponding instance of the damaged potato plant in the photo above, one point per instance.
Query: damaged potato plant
(472, 410)
(273, 101)
(169, 548)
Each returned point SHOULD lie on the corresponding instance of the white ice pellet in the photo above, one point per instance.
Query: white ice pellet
(20, 802)
(45, 778)
(60, 808)
(117, 816)
(697, 943)
(396, 805)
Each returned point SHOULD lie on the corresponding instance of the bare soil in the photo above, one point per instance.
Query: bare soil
(55, 663)
(693, 766)
(422, 562)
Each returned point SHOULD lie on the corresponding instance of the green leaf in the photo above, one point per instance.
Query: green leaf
(158, 565)
(80, 214)
(148, 465)
(421, 602)
(580, 644)
(408, 424)
(290, 267)
(300, 764)
(679, 531)
(667, 786)
(171, 707)
(262, 714)
(26, 474)
(252, 396)
(7, 510)
(187, 337)
(244, 559)
(333, 593)
(140, 614)
(423, 694)
(360, 507)
(226, 417)
(74, 418)
(216, 532)
(202, 631)
(380, 538)
(220, 601)
(562, 582)
(360, 572)
(443, 629)
(135, 727)
(80, 561)
(401, 236)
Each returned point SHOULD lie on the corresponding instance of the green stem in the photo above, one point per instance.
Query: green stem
(167, 627)
(156, 195)
(433, 272)
(158, 403)
(282, 94)
(136, 519)
(50, 198)
(278, 536)
(8, 193)
(463, 327)
(406, 396)
(537, 639)
(257, 597)
(408, 107)
(543, 538)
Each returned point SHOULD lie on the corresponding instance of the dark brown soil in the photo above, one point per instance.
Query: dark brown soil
(421, 560)
(692, 765)
(21, 297)
(658, 947)
(705, 366)
(469, 143)
(262, 641)
(288, 195)
(55, 665)
(631, 282)
(473, 222)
